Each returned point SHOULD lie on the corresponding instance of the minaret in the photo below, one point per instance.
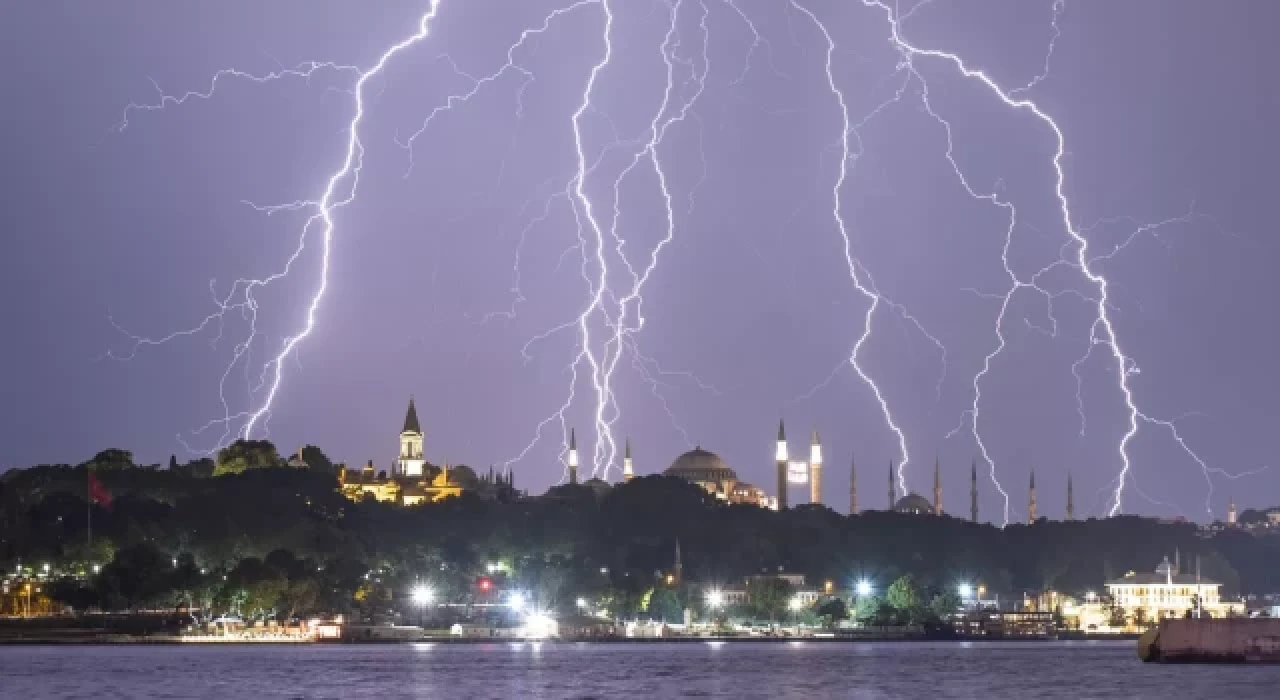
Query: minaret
(892, 492)
(1231, 511)
(573, 457)
(628, 473)
(679, 569)
(410, 462)
(1071, 503)
(780, 456)
(973, 492)
(853, 487)
(1031, 499)
(937, 486)
(815, 468)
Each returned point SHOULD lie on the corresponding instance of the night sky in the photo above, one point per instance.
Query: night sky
(1168, 108)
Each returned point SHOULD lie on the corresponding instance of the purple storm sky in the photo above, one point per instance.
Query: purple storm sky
(1168, 108)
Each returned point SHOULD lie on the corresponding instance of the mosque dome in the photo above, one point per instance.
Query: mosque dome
(913, 504)
(701, 466)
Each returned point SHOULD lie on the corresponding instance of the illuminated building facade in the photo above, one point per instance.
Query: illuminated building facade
(410, 481)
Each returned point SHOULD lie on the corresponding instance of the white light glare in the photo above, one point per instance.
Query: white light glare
(864, 587)
(423, 595)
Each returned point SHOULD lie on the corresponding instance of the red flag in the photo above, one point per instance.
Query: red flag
(97, 492)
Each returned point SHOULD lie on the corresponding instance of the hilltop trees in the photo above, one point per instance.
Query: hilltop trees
(246, 454)
(258, 525)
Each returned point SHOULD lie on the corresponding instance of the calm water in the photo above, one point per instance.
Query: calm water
(814, 670)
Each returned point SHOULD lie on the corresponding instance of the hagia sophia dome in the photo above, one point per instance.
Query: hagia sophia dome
(700, 466)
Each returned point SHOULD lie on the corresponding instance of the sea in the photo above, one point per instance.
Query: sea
(987, 671)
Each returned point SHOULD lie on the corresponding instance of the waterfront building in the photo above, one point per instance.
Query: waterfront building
(411, 480)
(1168, 593)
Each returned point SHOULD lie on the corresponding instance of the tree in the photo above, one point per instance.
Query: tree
(111, 459)
(137, 575)
(944, 604)
(664, 605)
(904, 598)
(243, 455)
(768, 597)
(1118, 617)
(832, 611)
(317, 460)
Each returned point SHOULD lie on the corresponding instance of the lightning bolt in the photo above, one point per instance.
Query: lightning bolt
(866, 289)
(1102, 329)
(241, 297)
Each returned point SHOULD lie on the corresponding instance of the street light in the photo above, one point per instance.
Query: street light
(715, 599)
(966, 591)
(516, 601)
(582, 603)
(422, 596)
(864, 587)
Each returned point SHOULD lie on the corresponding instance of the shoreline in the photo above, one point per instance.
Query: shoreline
(113, 640)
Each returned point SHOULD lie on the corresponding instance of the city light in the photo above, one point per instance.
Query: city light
(715, 599)
(966, 591)
(582, 603)
(796, 603)
(539, 625)
(516, 601)
(423, 595)
(864, 587)
(1090, 596)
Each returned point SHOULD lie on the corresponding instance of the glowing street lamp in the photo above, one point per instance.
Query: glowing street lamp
(582, 603)
(422, 596)
(965, 590)
(863, 587)
(796, 604)
(516, 601)
(715, 599)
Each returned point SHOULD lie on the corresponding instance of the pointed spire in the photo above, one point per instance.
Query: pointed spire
(1031, 499)
(1071, 502)
(853, 486)
(627, 454)
(815, 440)
(892, 491)
(573, 439)
(782, 431)
(937, 485)
(411, 419)
(973, 491)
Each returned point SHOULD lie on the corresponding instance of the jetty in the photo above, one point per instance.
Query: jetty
(1212, 640)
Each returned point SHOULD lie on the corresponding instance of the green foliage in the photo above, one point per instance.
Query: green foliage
(604, 548)
(944, 603)
(664, 605)
(243, 455)
(111, 459)
(832, 611)
(768, 597)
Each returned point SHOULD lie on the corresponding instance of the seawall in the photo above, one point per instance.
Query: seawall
(1209, 640)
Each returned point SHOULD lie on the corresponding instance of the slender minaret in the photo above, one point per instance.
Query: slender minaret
(679, 568)
(937, 486)
(1071, 502)
(573, 457)
(780, 456)
(892, 492)
(1231, 510)
(853, 487)
(815, 468)
(1031, 499)
(973, 492)
(628, 472)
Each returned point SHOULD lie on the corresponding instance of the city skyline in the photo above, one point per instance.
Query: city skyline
(461, 275)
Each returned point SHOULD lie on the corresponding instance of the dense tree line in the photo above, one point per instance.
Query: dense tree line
(262, 539)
